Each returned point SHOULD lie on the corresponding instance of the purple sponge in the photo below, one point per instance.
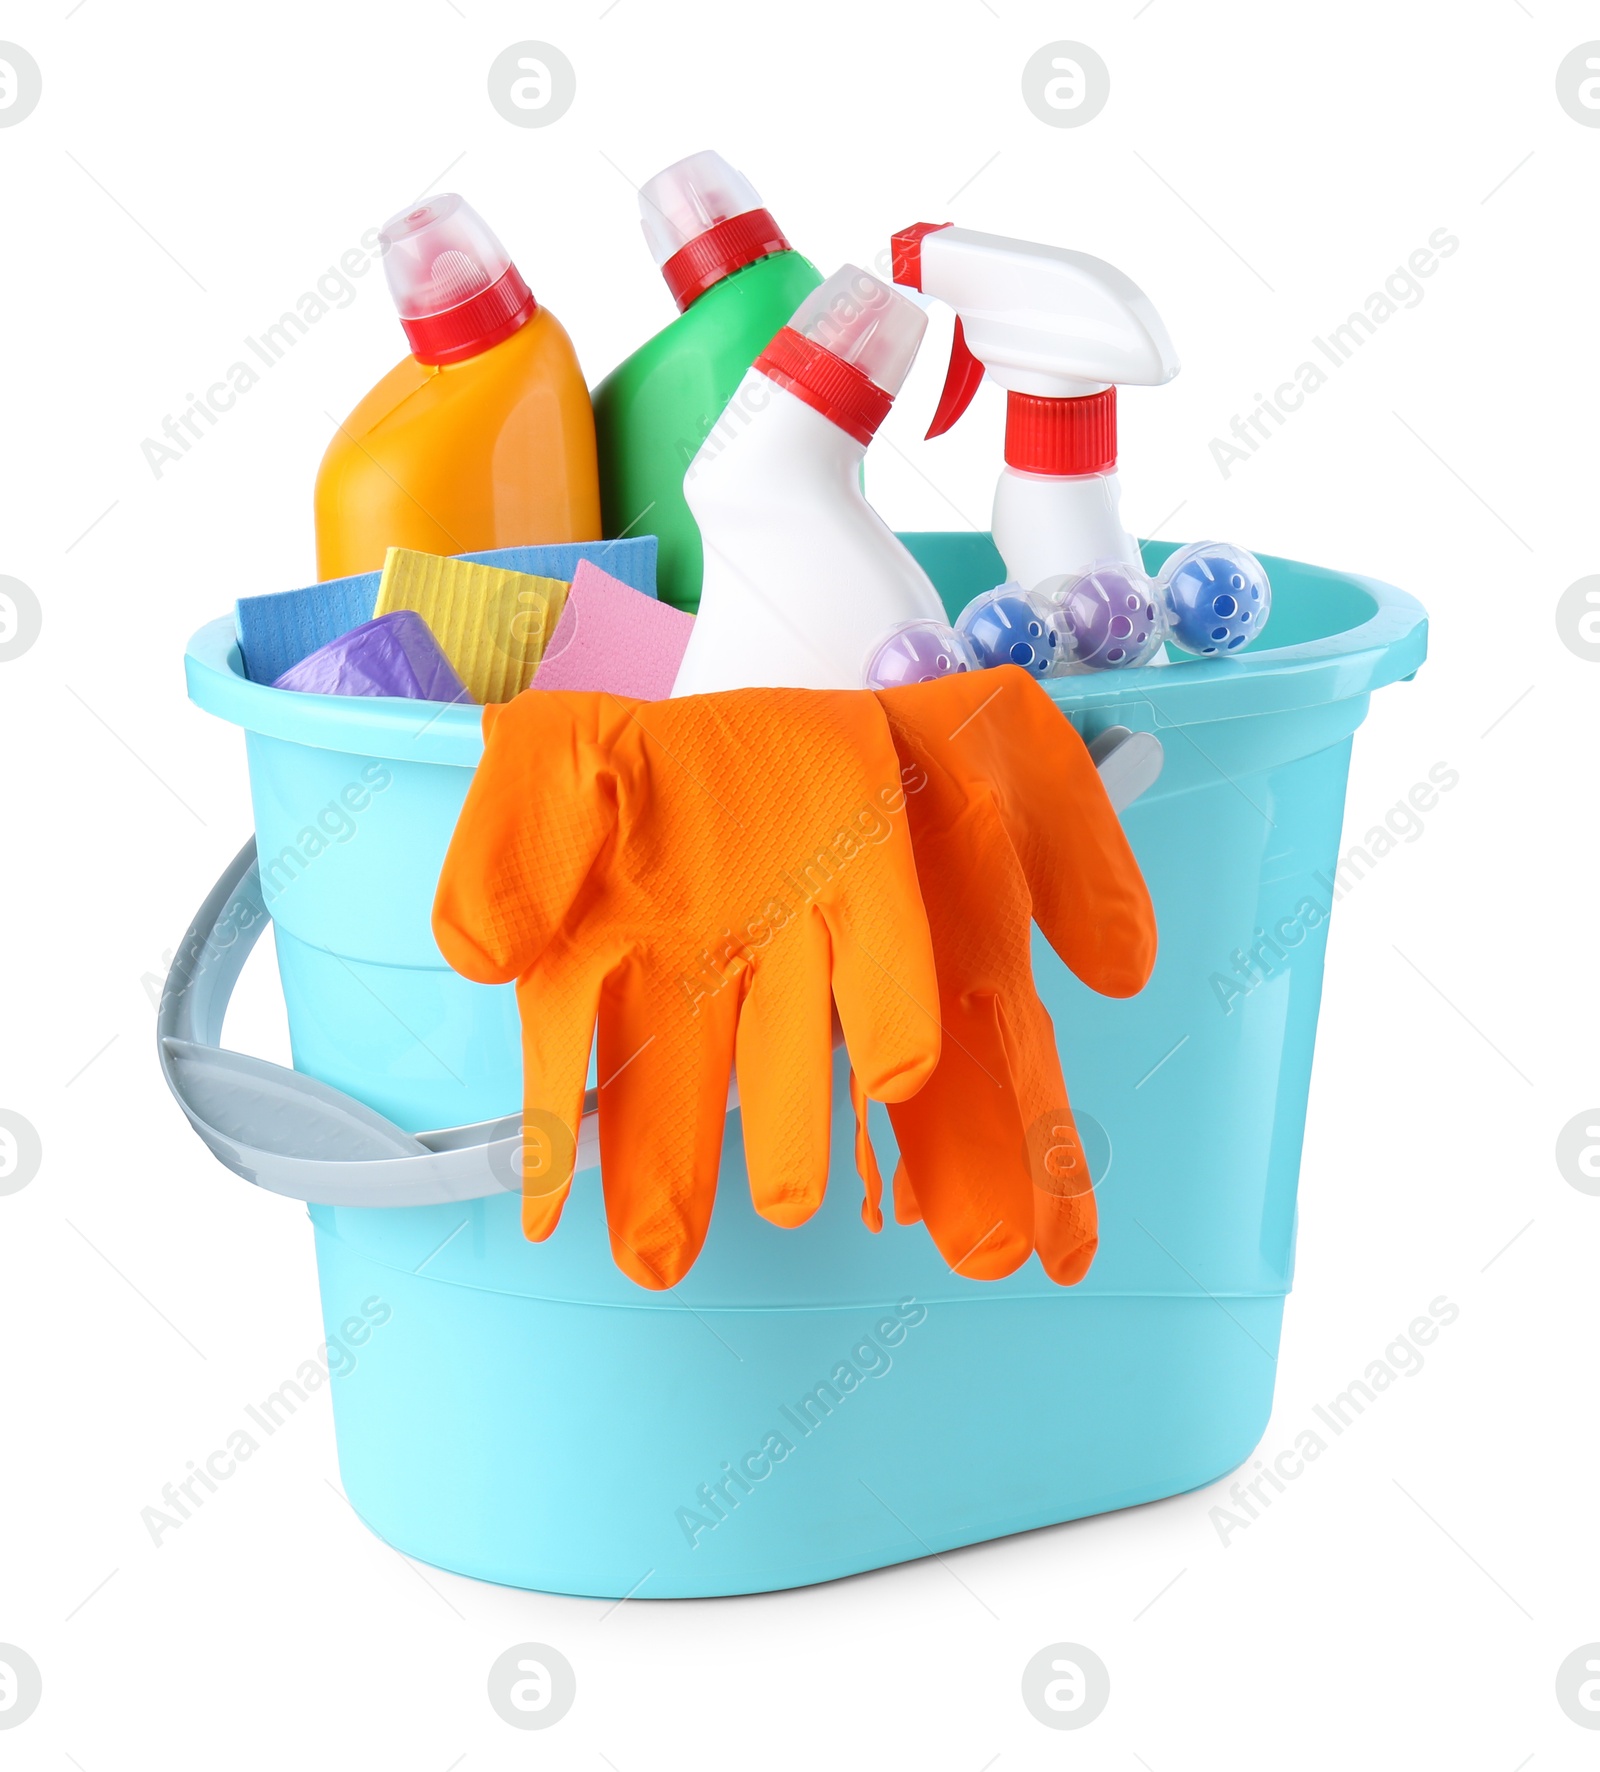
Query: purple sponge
(394, 655)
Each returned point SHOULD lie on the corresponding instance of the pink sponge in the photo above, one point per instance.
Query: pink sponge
(613, 637)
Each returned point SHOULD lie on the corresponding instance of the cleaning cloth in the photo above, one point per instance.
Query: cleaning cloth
(394, 655)
(1010, 824)
(492, 624)
(282, 627)
(609, 637)
(695, 876)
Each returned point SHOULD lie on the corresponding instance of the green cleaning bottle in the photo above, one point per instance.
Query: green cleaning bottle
(736, 281)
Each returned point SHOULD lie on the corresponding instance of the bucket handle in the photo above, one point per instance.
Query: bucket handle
(293, 1135)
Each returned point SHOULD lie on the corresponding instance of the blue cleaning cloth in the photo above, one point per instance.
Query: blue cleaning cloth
(394, 654)
(281, 628)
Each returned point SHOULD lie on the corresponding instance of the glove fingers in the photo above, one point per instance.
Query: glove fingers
(962, 1146)
(866, 1159)
(785, 1058)
(884, 981)
(1089, 897)
(558, 1035)
(1066, 1234)
(1011, 822)
(1064, 1218)
(663, 1106)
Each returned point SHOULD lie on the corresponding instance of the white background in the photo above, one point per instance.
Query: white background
(1259, 170)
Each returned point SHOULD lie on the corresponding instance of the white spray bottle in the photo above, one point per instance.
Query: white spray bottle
(1057, 330)
(802, 577)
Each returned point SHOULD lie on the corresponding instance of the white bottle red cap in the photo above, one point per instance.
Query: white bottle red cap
(454, 284)
(847, 350)
(703, 220)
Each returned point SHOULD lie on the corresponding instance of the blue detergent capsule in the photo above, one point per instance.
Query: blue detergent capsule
(1010, 625)
(1217, 597)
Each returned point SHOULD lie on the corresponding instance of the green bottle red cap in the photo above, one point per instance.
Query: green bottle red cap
(704, 220)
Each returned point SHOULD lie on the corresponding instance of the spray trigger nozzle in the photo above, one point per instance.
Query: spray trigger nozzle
(960, 384)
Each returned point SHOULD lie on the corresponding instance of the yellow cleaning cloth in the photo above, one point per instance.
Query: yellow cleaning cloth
(492, 624)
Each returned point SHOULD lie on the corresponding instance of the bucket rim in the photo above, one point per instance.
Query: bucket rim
(1387, 647)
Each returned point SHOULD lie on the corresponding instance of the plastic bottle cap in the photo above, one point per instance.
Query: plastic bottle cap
(703, 220)
(454, 285)
(1073, 436)
(847, 350)
(865, 323)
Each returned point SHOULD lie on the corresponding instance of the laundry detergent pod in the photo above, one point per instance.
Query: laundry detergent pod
(1217, 597)
(917, 652)
(1110, 614)
(1010, 625)
(395, 654)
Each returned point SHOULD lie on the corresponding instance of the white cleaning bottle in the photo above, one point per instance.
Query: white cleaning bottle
(802, 577)
(1057, 330)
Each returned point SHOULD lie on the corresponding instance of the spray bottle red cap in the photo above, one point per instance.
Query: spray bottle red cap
(847, 350)
(1066, 436)
(456, 289)
(703, 220)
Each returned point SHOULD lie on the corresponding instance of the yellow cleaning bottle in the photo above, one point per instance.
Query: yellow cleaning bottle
(483, 437)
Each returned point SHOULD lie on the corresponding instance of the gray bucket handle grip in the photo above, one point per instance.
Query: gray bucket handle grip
(293, 1135)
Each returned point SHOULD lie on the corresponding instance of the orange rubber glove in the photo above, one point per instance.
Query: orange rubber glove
(1011, 825)
(695, 875)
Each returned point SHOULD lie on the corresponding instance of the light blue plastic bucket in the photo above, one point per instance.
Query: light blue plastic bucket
(815, 1402)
